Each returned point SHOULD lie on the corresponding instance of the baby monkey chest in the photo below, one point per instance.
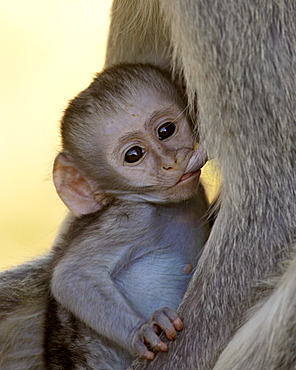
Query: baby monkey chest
(161, 275)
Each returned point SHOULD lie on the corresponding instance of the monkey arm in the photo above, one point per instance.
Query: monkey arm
(84, 285)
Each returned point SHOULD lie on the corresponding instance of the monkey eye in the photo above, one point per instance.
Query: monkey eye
(166, 130)
(134, 154)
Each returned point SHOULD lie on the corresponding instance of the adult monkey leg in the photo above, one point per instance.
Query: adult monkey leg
(267, 340)
(238, 58)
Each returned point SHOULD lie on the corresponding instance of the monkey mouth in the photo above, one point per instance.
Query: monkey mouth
(188, 175)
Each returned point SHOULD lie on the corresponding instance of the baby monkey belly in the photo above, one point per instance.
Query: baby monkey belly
(155, 280)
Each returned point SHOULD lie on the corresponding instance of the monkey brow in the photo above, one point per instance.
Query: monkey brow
(129, 136)
(171, 112)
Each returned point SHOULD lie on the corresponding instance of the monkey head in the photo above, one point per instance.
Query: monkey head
(138, 151)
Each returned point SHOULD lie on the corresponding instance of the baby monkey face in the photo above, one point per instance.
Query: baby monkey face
(149, 143)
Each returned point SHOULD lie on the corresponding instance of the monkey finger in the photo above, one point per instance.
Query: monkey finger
(142, 350)
(152, 339)
(173, 316)
(156, 328)
(165, 322)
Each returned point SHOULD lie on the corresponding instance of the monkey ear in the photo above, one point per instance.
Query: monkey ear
(75, 190)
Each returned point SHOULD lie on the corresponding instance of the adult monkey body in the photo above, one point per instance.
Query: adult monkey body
(238, 57)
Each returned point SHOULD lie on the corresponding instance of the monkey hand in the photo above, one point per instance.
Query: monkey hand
(147, 335)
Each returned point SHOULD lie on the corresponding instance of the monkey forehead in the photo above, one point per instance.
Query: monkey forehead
(136, 117)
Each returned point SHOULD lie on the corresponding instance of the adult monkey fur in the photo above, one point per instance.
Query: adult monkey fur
(127, 141)
(238, 58)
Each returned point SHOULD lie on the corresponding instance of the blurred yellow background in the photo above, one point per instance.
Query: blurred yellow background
(49, 51)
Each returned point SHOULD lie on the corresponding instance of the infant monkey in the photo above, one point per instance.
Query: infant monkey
(124, 260)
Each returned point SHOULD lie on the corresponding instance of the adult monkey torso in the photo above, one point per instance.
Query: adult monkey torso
(238, 58)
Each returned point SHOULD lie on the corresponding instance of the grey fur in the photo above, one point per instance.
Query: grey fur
(93, 331)
(114, 269)
(23, 297)
(109, 271)
(23, 301)
(238, 57)
(273, 325)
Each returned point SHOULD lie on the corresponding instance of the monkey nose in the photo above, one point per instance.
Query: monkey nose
(170, 164)
(167, 168)
(168, 160)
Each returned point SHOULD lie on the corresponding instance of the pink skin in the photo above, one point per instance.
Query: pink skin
(198, 159)
(188, 175)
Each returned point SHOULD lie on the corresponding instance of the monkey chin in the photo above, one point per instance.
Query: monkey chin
(185, 188)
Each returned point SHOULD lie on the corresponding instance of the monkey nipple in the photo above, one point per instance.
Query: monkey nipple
(187, 268)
